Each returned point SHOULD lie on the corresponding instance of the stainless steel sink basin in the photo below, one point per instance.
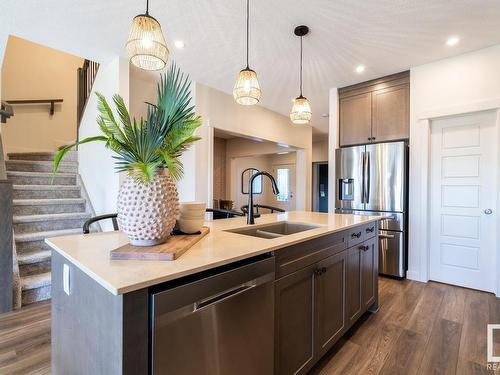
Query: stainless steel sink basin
(274, 230)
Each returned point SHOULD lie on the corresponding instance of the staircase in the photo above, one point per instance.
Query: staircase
(42, 208)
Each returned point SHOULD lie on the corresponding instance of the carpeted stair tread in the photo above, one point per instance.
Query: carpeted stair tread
(39, 174)
(45, 187)
(37, 236)
(44, 155)
(10, 164)
(44, 206)
(46, 202)
(50, 217)
(35, 281)
(33, 257)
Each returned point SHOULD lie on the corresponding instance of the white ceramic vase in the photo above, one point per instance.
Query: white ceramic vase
(147, 212)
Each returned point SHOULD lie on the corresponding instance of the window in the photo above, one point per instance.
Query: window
(282, 179)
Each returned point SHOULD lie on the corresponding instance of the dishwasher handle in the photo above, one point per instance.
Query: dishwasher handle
(222, 296)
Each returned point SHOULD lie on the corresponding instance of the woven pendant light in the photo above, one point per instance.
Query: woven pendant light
(246, 90)
(301, 110)
(146, 46)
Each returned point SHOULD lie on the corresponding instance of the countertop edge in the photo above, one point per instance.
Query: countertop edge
(173, 276)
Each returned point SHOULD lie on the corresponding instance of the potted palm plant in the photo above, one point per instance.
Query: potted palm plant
(149, 151)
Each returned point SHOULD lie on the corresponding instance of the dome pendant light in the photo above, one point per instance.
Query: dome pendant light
(146, 46)
(301, 109)
(246, 90)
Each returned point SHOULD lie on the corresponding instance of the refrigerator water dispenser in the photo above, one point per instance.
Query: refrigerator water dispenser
(346, 189)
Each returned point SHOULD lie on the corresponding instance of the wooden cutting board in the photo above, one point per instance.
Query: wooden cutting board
(170, 250)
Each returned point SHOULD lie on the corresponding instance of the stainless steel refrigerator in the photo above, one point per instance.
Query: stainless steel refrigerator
(373, 180)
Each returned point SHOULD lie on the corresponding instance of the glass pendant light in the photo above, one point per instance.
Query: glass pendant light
(246, 90)
(301, 109)
(146, 46)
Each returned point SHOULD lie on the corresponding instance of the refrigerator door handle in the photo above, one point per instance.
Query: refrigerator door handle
(363, 177)
(366, 174)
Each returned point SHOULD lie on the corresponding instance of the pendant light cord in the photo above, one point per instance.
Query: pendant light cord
(300, 66)
(248, 11)
(147, 7)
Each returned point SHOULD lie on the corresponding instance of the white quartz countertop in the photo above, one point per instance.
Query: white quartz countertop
(90, 252)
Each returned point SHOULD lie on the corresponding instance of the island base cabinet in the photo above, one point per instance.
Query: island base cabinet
(369, 276)
(316, 305)
(94, 331)
(310, 314)
(330, 290)
(294, 319)
(354, 306)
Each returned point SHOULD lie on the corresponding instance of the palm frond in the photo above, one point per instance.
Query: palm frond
(64, 150)
(142, 146)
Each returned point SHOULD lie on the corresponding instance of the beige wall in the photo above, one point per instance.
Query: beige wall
(237, 166)
(320, 151)
(142, 89)
(32, 71)
(220, 145)
(219, 111)
(243, 153)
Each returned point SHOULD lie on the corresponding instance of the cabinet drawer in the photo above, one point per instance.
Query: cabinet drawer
(303, 254)
(370, 230)
(355, 235)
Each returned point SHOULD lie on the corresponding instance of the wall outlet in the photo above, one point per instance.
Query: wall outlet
(66, 284)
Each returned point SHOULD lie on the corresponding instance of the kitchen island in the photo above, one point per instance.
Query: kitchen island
(268, 298)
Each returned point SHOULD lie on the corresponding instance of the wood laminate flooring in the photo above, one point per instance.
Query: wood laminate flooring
(420, 329)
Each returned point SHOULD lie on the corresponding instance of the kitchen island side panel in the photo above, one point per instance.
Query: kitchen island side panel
(94, 331)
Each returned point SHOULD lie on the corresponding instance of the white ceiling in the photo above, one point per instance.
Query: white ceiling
(387, 36)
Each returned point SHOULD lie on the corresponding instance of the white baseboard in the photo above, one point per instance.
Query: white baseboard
(414, 275)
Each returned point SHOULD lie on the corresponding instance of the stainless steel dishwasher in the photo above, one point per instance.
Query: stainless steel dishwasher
(218, 323)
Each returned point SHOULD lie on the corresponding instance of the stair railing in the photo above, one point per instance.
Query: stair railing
(85, 80)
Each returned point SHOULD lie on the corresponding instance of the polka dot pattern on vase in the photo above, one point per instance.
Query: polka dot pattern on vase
(147, 212)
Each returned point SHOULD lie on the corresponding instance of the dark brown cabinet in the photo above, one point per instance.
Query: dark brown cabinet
(375, 111)
(355, 114)
(294, 319)
(354, 306)
(391, 113)
(369, 273)
(323, 287)
(330, 301)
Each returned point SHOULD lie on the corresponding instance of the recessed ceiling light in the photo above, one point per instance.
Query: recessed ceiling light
(179, 44)
(360, 68)
(452, 40)
(325, 115)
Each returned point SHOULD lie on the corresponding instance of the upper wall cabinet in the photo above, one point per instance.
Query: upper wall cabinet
(375, 111)
(355, 118)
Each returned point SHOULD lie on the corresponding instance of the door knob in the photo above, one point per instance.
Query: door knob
(488, 211)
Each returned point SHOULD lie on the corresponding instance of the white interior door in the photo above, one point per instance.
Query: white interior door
(285, 178)
(463, 192)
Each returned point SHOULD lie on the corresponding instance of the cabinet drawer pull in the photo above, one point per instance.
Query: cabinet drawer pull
(364, 247)
(370, 230)
(320, 271)
(356, 235)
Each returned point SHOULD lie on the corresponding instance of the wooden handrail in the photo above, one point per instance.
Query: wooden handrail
(36, 101)
(6, 112)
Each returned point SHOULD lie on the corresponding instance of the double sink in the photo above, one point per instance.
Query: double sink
(274, 230)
